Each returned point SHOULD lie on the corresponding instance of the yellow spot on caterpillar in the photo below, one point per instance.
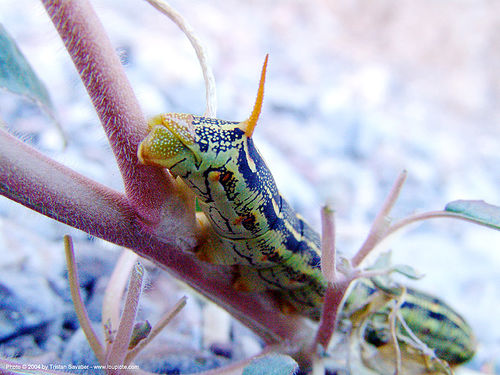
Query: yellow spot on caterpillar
(180, 124)
(250, 161)
(159, 145)
(214, 176)
(170, 135)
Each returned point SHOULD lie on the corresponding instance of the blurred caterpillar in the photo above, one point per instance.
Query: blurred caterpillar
(253, 227)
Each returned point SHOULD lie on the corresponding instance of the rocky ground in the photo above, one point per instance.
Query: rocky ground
(356, 92)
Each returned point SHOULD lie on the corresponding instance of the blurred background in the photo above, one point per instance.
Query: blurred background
(356, 91)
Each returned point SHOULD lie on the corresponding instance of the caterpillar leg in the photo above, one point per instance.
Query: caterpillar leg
(250, 279)
(211, 249)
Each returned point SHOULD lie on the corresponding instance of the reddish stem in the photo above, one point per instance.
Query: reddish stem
(119, 347)
(30, 178)
(38, 182)
(107, 85)
(328, 251)
(381, 222)
(334, 294)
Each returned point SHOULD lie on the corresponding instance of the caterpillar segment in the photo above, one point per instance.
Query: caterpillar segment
(253, 226)
(430, 319)
(248, 224)
(452, 338)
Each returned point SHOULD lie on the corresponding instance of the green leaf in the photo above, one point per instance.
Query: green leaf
(478, 211)
(16, 74)
(407, 271)
(382, 261)
(140, 332)
(18, 77)
(272, 364)
(386, 284)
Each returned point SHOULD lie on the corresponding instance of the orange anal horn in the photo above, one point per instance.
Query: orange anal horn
(248, 125)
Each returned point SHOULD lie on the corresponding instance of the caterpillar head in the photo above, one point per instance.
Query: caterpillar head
(186, 144)
(171, 140)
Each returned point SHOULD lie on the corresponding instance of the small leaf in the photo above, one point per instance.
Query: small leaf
(382, 261)
(16, 74)
(272, 364)
(141, 331)
(478, 211)
(385, 284)
(407, 271)
(344, 266)
(18, 77)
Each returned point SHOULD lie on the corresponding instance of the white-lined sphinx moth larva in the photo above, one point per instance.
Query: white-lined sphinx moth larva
(253, 227)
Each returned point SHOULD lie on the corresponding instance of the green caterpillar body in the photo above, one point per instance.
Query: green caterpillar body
(433, 321)
(254, 228)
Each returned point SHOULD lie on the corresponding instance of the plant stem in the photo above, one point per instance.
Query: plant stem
(131, 220)
(40, 183)
(429, 215)
(334, 294)
(115, 288)
(119, 347)
(381, 222)
(328, 252)
(336, 288)
(146, 188)
(165, 319)
(81, 312)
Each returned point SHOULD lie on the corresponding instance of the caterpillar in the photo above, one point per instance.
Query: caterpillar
(431, 320)
(251, 226)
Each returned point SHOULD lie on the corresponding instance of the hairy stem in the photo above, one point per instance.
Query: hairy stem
(38, 182)
(336, 288)
(150, 200)
(381, 222)
(109, 89)
(119, 347)
(328, 251)
(334, 294)
(429, 215)
(81, 312)
(115, 289)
